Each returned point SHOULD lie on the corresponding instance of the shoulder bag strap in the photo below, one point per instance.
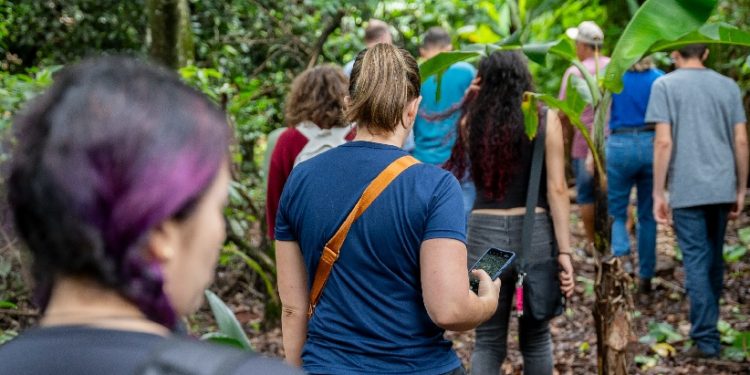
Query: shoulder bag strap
(532, 195)
(333, 247)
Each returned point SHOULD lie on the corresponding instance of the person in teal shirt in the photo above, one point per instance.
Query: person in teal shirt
(434, 133)
(433, 140)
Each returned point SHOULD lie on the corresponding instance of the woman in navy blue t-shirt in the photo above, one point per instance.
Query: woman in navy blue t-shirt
(401, 277)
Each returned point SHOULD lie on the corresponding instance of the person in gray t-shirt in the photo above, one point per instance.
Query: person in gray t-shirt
(701, 140)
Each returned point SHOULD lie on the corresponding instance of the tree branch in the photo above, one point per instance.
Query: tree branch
(32, 313)
(333, 24)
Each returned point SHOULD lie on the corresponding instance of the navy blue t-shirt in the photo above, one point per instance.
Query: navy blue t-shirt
(629, 106)
(371, 317)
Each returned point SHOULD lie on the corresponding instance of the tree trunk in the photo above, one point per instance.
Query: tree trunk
(170, 39)
(613, 300)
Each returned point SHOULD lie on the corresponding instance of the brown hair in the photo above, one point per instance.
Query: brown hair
(317, 95)
(376, 30)
(692, 51)
(383, 81)
(643, 65)
(436, 37)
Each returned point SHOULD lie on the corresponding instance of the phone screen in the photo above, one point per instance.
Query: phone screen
(494, 261)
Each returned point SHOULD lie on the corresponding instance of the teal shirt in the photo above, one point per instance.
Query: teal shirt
(433, 140)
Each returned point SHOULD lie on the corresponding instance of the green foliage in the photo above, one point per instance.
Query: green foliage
(648, 27)
(733, 253)
(7, 335)
(646, 362)
(230, 330)
(677, 253)
(708, 34)
(530, 117)
(660, 332)
(16, 89)
(588, 285)
(740, 349)
(728, 335)
(267, 275)
(44, 33)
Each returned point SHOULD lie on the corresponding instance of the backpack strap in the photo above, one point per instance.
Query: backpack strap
(333, 247)
(176, 356)
(532, 194)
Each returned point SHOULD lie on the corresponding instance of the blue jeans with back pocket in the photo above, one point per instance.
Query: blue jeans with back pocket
(629, 163)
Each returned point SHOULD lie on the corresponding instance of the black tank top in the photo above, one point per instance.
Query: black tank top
(515, 192)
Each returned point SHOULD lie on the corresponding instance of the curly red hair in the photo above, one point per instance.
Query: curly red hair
(491, 129)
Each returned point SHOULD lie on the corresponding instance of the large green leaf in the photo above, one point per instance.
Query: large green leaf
(578, 94)
(443, 61)
(591, 81)
(716, 33)
(530, 115)
(220, 338)
(537, 7)
(655, 21)
(537, 52)
(229, 327)
(574, 115)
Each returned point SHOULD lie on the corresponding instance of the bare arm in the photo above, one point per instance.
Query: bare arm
(741, 160)
(559, 200)
(662, 156)
(293, 290)
(445, 286)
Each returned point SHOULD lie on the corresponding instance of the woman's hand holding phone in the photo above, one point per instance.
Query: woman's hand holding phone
(489, 290)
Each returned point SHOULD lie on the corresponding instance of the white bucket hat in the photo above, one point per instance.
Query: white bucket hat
(587, 32)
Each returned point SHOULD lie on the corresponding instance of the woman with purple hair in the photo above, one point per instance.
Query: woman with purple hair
(117, 187)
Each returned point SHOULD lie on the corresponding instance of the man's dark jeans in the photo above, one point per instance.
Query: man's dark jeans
(700, 233)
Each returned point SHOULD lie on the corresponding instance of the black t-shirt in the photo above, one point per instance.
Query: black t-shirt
(77, 350)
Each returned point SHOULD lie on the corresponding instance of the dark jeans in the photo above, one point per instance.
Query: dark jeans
(700, 233)
(629, 163)
(504, 232)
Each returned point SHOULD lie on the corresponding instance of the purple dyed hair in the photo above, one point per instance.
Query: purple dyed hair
(111, 150)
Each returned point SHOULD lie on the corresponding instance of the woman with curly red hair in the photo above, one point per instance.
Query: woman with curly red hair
(315, 120)
(492, 145)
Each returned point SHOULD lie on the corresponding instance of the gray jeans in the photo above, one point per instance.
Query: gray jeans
(504, 232)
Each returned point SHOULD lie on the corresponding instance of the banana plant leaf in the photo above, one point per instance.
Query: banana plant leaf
(442, 61)
(230, 329)
(655, 21)
(716, 33)
(536, 52)
(571, 110)
(530, 118)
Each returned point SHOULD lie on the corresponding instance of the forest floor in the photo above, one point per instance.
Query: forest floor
(665, 311)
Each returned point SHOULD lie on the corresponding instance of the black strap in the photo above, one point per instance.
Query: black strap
(177, 356)
(532, 194)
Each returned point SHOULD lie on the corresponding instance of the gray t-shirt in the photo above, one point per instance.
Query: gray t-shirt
(702, 107)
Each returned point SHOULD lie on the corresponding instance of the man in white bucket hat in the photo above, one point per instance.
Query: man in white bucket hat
(587, 32)
(589, 39)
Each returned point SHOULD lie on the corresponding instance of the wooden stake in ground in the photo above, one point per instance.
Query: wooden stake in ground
(614, 304)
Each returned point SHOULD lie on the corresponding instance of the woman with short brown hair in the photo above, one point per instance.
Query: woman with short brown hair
(315, 122)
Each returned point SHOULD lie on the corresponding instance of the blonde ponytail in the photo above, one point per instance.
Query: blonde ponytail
(383, 81)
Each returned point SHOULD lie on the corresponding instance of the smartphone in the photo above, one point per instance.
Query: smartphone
(494, 262)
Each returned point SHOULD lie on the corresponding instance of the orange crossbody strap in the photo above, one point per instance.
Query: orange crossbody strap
(333, 247)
